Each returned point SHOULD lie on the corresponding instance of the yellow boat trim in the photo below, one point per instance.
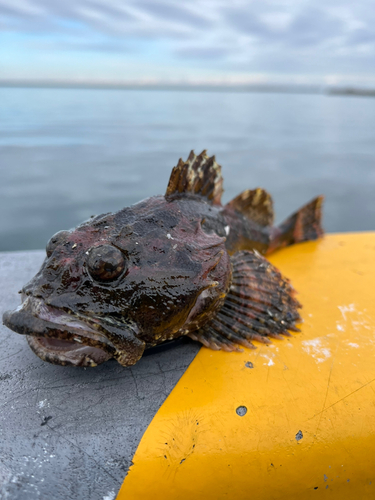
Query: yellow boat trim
(308, 402)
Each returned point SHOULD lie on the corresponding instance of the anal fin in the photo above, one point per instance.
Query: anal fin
(260, 305)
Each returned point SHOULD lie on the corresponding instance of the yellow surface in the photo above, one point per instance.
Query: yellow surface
(321, 382)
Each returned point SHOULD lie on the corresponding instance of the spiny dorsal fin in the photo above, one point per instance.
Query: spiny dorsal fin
(256, 205)
(198, 175)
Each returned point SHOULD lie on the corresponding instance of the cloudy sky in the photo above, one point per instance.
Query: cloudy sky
(319, 41)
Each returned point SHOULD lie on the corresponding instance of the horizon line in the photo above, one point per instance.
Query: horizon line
(290, 87)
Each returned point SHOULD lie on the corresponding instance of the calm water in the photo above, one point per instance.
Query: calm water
(68, 154)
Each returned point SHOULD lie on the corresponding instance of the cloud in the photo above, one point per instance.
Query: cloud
(175, 13)
(313, 36)
(204, 53)
(81, 45)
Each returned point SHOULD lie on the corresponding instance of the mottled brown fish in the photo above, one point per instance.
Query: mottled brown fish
(168, 266)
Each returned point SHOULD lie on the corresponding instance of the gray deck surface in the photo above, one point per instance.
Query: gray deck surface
(96, 417)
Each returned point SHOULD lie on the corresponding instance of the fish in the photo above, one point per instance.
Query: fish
(172, 265)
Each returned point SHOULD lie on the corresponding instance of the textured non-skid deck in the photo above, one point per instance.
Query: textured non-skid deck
(291, 420)
(295, 419)
(70, 433)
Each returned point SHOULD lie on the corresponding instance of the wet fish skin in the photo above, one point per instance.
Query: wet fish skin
(160, 269)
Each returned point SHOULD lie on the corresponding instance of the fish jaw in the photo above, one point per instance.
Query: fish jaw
(63, 352)
(63, 338)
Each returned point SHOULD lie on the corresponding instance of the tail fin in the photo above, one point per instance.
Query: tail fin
(304, 225)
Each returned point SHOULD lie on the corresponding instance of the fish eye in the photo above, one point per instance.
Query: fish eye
(105, 263)
(55, 241)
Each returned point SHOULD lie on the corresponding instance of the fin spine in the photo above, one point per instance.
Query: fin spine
(199, 175)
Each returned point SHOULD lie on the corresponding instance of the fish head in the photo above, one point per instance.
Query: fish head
(121, 282)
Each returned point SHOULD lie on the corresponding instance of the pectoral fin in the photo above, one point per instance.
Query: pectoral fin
(260, 305)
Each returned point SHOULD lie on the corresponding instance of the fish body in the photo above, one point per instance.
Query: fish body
(168, 266)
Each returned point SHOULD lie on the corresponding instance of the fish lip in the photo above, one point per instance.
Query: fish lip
(45, 324)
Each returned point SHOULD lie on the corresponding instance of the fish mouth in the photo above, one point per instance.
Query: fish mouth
(60, 337)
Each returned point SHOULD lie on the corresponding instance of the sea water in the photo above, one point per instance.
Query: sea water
(66, 154)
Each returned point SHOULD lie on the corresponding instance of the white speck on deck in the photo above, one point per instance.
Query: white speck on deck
(346, 309)
(316, 349)
(110, 496)
(269, 359)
